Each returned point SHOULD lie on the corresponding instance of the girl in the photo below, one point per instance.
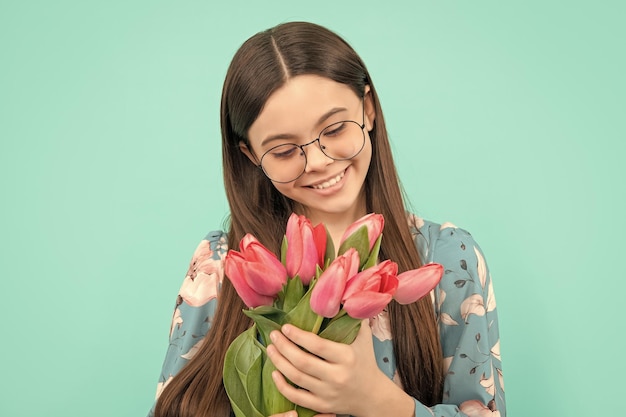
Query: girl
(303, 131)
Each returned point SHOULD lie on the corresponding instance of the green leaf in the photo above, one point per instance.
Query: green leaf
(236, 392)
(273, 401)
(242, 366)
(265, 310)
(305, 412)
(318, 272)
(283, 251)
(251, 375)
(294, 290)
(342, 328)
(329, 256)
(301, 315)
(373, 256)
(267, 319)
(279, 301)
(358, 240)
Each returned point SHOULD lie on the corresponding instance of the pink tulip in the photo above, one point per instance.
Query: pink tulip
(319, 236)
(254, 251)
(302, 252)
(366, 305)
(255, 272)
(328, 291)
(374, 223)
(416, 283)
(369, 292)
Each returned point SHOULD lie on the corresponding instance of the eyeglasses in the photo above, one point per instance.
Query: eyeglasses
(340, 141)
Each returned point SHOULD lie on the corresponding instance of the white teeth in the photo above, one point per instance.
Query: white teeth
(330, 182)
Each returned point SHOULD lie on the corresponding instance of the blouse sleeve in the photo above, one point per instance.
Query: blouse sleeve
(195, 306)
(465, 306)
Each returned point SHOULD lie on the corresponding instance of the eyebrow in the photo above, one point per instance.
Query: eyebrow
(323, 118)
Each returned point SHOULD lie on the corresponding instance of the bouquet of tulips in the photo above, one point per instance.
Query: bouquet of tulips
(313, 289)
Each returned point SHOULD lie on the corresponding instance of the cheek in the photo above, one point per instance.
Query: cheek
(366, 154)
(284, 189)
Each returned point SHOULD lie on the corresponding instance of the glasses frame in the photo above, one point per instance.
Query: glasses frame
(361, 126)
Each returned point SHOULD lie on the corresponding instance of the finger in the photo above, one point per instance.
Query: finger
(291, 360)
(296, 395)
(303, 360)
(318, 346)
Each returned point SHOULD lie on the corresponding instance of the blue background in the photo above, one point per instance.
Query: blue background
(507, 118)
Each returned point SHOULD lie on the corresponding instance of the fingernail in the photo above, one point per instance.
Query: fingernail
(274, 336)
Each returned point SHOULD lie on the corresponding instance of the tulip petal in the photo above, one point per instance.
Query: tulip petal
(309, 254)
(366, 304)
(262, 279)
(233, 269)
(320, 237)
(302, 252)
(327, 292)
(294, 246)
(246, 241)
(374, 223)
(353, 262)
(416, 283)
(376, 278)
(256, 272)
(258, 253)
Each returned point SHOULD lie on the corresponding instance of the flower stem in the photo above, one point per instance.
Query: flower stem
(318, 324)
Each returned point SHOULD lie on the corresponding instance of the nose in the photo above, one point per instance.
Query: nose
(315, 158)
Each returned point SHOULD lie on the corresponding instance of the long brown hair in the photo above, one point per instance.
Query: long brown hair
(262, 65)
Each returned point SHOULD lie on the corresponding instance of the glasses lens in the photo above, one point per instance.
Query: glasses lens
(342, 140)
(283, 163)
(339, 141)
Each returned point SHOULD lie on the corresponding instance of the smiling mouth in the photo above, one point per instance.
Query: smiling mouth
(330, 182)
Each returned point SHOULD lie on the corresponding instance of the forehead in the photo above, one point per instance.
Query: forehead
(298, 105)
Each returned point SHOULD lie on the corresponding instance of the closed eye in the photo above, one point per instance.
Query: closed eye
(334, 130)
(284, 151)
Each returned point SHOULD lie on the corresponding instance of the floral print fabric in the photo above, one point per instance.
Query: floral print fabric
(464, 303)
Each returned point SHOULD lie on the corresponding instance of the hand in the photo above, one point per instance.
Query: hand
(334, 377)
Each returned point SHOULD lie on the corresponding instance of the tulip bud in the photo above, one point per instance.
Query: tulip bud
(373, 222)
(328, 291)
(416, 283)
(302, 253)
(255, 272)
(254, 251)
(366, 305)
(369, 292)
(320, 237)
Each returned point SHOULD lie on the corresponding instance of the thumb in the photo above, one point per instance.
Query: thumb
(365, 333)
(365, 327)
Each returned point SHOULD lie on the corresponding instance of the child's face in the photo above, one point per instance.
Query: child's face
(296, 113)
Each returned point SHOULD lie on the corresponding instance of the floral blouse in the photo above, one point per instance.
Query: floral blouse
(464, 303)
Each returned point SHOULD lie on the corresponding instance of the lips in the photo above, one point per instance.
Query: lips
(328, 182)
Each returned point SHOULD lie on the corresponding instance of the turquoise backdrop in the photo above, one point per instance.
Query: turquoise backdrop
(109, 132)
